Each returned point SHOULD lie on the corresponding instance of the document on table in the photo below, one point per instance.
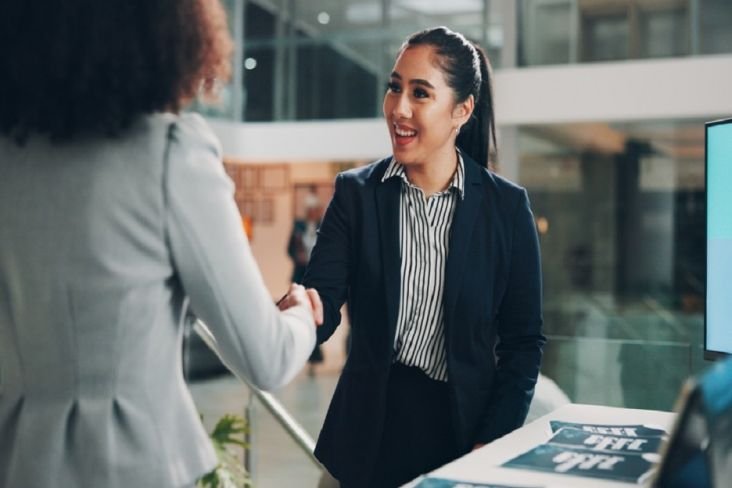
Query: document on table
(627, 453)
(617, 430)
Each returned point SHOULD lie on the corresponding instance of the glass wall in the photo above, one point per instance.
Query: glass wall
(328, 59)
(311, 60)
(622, 238)
(572, 31)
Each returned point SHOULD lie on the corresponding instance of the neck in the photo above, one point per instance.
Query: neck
(433, 177)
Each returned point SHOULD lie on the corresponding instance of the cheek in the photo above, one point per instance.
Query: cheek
(439, 123)
(387, 106)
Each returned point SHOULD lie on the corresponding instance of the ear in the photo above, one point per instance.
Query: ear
(463, 110)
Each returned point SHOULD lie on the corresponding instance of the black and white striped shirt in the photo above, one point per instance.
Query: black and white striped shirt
(424, 233)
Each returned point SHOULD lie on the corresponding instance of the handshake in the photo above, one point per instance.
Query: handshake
(299, 295)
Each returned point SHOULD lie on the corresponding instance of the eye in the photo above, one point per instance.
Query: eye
(393, 87)
(421, 93)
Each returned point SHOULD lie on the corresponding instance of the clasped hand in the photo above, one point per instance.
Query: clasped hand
(299, 295)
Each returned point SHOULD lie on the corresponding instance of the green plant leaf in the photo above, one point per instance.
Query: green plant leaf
(227, 428)
(229, 472)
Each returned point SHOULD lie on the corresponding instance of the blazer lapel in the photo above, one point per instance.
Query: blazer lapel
(461, 235)
(387, 202)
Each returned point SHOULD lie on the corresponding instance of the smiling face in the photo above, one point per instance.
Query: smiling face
(420, 109)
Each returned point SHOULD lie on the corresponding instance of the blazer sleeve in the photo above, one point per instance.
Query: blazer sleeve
(329, 268)
(214, 263)
(295, 240)
(520, 339)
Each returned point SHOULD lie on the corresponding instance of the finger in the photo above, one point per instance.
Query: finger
(296, 286)
(292, 297)
(316, 304)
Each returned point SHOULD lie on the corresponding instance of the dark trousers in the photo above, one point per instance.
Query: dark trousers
(418, 435)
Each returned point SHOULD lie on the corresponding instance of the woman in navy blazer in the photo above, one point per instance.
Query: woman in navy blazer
(439, 110)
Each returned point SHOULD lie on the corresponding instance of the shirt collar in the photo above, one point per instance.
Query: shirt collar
(396, 170)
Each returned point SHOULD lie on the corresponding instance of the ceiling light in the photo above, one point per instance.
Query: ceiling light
(324, 18)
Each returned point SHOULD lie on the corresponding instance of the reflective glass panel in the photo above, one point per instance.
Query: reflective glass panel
(622, 238)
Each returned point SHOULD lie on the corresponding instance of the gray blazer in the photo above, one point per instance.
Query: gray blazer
(100, 242)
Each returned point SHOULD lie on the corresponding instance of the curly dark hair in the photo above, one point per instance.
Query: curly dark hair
(78, 66)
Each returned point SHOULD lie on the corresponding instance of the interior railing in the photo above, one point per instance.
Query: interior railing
(293, 429)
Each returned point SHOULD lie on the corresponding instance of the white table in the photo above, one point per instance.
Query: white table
(483, 465)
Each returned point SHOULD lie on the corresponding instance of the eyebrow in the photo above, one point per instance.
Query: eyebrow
(417, 81)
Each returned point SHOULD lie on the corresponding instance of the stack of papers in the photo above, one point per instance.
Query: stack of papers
(627, 453)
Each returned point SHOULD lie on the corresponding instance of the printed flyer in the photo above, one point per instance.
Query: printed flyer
(581, 439)
(616, 430)
(627, 453)
(629, 468)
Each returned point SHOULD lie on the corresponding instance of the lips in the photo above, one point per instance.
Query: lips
(403, 135)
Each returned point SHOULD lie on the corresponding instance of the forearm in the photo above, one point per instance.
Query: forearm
(215, 266)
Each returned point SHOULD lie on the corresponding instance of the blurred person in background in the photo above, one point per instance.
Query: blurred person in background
(303, 236)
(438, 260)
(115, 210)
(299, 247)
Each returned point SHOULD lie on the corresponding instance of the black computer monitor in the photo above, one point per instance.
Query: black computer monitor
(718, 306)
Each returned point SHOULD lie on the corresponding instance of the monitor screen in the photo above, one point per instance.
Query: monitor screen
(718, 316)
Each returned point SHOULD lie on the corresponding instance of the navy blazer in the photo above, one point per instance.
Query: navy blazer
(492, 303)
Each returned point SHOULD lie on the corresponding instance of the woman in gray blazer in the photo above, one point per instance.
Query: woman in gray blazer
(113, 210)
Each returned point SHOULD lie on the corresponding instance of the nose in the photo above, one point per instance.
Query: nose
(402, 109)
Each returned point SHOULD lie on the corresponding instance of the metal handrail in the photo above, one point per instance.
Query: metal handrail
(278, 411)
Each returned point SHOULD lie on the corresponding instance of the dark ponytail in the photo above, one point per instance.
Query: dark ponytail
(468, 72)
(475, 138)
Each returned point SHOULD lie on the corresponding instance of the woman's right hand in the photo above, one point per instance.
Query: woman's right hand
(299, 295)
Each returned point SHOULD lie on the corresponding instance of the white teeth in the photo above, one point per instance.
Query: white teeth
(405, 133)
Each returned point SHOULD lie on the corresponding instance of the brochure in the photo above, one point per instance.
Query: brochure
(627, 453)
(616, 430)
(552, 458)
(581, 439)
